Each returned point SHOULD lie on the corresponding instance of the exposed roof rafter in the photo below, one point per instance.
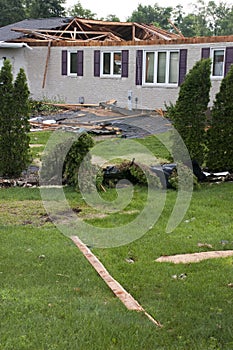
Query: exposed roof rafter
(81, 29)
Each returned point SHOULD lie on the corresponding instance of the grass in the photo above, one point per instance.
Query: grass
(51, 298)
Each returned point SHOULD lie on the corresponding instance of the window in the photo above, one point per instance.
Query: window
(218, 63)
(72, 63)
(111, 63)
(161, 67)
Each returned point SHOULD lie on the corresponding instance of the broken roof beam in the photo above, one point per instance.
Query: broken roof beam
(66, 28)
(155, 32)
(133, 32)
(79, 26)
(114, 37)
(176, 28)
(36, 33)
(90, 22)
(97, 37)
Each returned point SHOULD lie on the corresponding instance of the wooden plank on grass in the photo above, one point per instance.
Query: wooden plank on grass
(117, 289)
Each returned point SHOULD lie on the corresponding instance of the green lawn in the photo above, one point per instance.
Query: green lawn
(51, 298)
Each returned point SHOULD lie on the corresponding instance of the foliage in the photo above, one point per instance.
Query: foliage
(186, 172)
(136, 173)
(206, 19)
(55, 159)
(189, 112)
(78, 11)
(14, 124)
(220, 133)
(112, 18)
(11, 11)
(44, 107)
(152, 14)
(44, 9)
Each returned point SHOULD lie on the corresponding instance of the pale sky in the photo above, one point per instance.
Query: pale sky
(124, 8)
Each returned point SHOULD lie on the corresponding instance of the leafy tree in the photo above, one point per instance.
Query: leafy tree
(45, 8)
(78, 11)
(11, 11)
(189, 112)
(152, 14)
(220, 134)
(112, 18)
(14, 125)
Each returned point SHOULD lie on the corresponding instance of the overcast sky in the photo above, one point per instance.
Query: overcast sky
(124, 8)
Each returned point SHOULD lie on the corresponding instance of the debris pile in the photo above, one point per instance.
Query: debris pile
(28, 178)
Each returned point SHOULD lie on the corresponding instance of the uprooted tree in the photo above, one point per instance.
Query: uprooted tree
(14, 123)
(220, 133)
(189, 113)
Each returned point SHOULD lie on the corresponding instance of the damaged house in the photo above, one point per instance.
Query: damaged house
(78, 60)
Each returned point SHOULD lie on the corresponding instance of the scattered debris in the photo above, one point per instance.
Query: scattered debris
(130, 260)
(218, 177)
(205, 245)
(182, 276)
(195, 257)
(28, 178)
(223, 242)
(189, 220)
(42, 256)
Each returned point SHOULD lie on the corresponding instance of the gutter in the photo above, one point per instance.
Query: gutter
(4, 45)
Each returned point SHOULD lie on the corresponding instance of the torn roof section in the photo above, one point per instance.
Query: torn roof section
(82, 30)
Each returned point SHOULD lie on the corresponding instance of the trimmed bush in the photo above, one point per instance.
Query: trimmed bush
(14, 123)
(220, 133)
(189, 113)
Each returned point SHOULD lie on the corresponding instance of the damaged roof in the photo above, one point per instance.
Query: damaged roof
(82, 30)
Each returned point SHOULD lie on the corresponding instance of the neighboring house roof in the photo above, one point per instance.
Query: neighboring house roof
(6, 33)
(82, 30)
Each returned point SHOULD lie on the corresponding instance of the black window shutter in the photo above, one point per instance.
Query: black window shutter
(80, 63)
(139, 55)
(205, 52)
(228, 59)
(125, 63)
(97, 63)
(182, 65)
(64, 62)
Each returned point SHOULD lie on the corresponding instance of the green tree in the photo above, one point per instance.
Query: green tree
(45, 8)
(14, 125)
(112, 18)
(152, 14)
(189, 112)
(78, 11)
(220, 134)
(11, 11)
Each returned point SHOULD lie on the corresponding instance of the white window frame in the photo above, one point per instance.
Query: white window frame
(111, 74)
(156, 54)
(69, 63)
(212, 51)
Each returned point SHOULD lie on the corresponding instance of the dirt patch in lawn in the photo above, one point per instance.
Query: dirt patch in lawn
(195, 257)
